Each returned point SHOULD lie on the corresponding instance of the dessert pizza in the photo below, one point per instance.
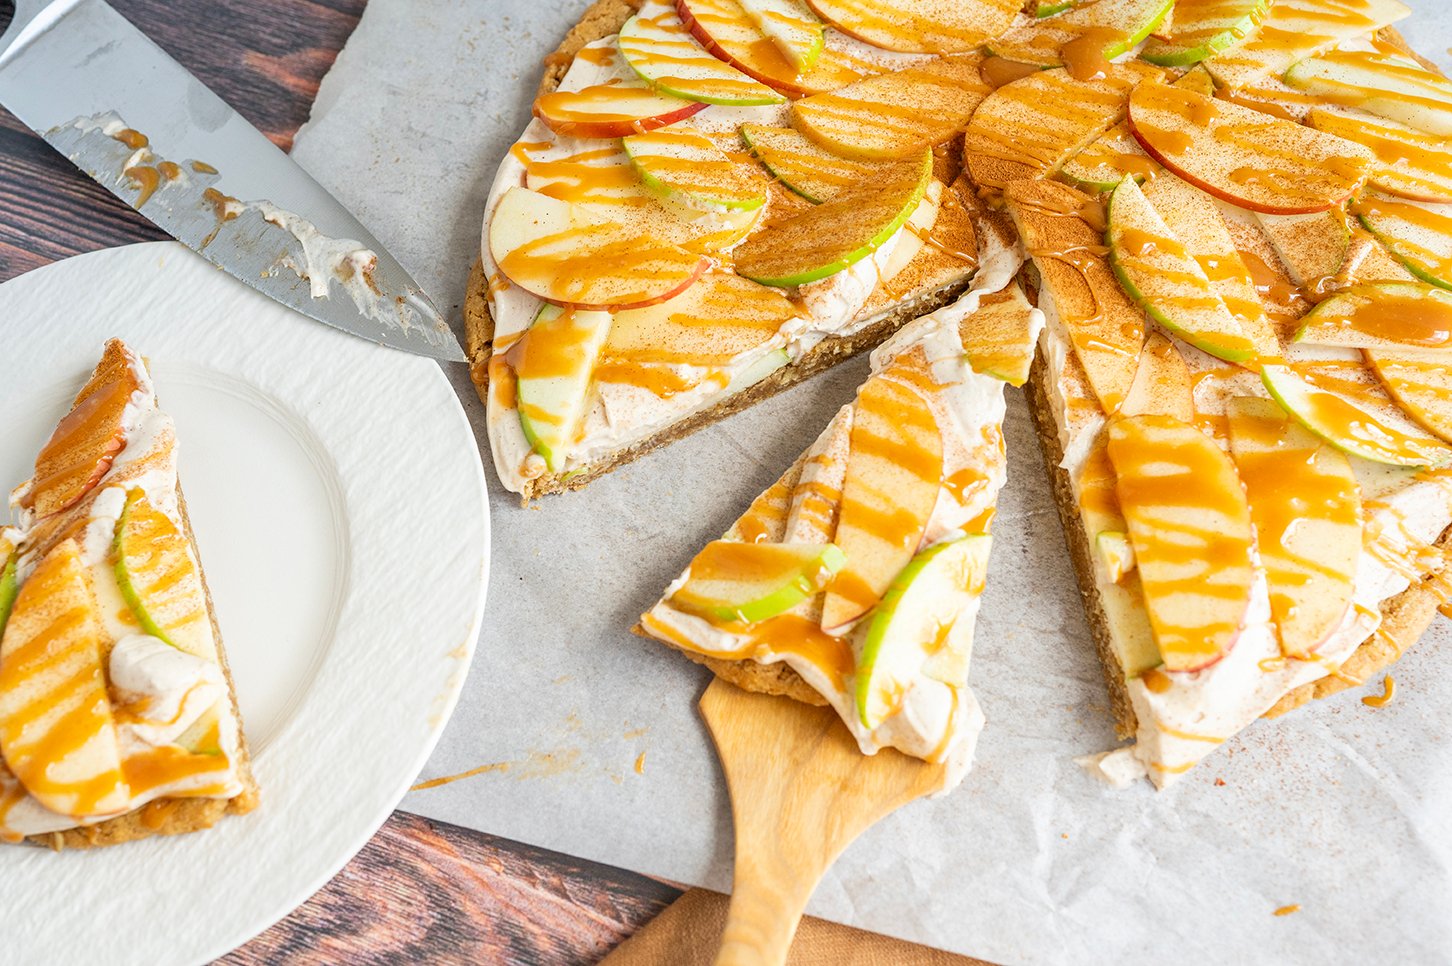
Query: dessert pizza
(1233, 219)
(117, 715)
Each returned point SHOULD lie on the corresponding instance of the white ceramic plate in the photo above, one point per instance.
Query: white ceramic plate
(339, 504)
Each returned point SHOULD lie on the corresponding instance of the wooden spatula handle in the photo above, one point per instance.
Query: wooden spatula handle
(801, 790)
(760, 925)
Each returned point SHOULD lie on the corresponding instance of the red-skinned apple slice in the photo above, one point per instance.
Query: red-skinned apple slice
(710, 325)
(1250, 159)
(727, 32)
(894, 470)
(657, 47)
(611, 110)
(1116, 154)
(1408, 162)
(920, 26)
(791, 25)
(564, 254)
(894, 116)
(1158, 272)
(1031, 127)
(1063, 230)
(57, 730)
(1306, 507)
(1193, 539)
(86, 441)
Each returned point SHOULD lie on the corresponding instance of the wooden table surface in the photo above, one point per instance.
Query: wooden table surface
(421, 890)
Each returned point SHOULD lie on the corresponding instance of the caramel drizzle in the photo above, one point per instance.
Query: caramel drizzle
(695, 70)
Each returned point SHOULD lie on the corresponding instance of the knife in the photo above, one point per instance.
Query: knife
(82, 77)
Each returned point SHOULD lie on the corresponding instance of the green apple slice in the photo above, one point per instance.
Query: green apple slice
(1107, 27)
(1420, 382)
(1388, 85)
(825, 239)
(159, 578)
(1382, 315)
(745, 583)
(1201, 228)
(894, 116)
(555, 361)
(1295, 29)
(1047, 8)
(791, 26)
(1190, 525)
(1116, 552)
(1203, 28)
(916, 621)
(685, 165)
(666, 57)
(1159, 274)
(1357, 426)
(1417, 233)
(9, 586)
(812, 171)
(1408, 163)
(1306, 506)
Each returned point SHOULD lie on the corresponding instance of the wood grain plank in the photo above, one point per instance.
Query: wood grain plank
(425, 891)
(265, 59)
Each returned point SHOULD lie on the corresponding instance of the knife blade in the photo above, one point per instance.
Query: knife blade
(93, 85)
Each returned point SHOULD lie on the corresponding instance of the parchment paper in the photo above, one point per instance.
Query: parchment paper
(1339, 808)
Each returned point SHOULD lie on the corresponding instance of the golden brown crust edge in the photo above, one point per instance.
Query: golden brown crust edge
(176, 816)
(1405, 616)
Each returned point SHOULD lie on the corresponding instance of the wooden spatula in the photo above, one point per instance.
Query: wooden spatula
(801, 791)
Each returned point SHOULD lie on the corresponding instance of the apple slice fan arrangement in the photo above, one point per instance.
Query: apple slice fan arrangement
(117, 718)
(1212, 238)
